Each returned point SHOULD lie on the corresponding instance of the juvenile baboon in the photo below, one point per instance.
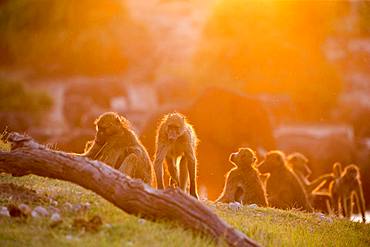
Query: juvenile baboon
(176, 139)
(284, 189)
(117, 145)
(298, 163)
(243, 183)
(344, 188)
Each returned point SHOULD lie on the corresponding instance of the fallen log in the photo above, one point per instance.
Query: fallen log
(130, 195)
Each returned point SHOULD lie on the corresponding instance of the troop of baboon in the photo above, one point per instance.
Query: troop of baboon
(278, 181)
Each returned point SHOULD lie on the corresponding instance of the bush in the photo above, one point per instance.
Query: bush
(21, 108)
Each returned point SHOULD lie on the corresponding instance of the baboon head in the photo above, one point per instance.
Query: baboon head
(245, 157)
(274, 160)
(109, 124)
(298, 162)
(351, 171)
(174, 126)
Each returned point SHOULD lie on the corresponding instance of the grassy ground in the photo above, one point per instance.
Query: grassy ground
(270, 227)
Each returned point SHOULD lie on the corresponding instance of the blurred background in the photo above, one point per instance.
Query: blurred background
(289, 75)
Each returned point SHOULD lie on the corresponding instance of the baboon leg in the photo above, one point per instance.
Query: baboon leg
(335, 204)
(184, 174)
(161, 153)
(344, 206)
(348, 208)
(360, 201)
(239, 195)
(128, 166)
(172, 169)
(192, 175)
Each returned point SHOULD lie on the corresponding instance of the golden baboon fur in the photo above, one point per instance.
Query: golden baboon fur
(345, 188)
(175, 139)
(298, 163)
(243, 183)
(117, 145)
(284, 189)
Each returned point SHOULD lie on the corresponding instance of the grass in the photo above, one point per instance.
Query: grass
(270, 227)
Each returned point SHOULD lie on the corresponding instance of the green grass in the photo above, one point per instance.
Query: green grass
(270, 227)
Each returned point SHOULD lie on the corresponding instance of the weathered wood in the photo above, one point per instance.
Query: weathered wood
(130, 195)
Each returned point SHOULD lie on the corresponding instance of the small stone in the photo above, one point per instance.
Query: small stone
(77, 208)
(26, 210)
(69, 237)
(41, 211)
(253, 206)
(107, 226)
(67, 206)
(323, 217)
(86, 206)
(34, 214)
(52, 210)
(54, 203)
(4, 212)
(141, 221)
(55, 217)
(235, 206)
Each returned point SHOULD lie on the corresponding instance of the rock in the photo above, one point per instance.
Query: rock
(53, 203)
(323, 217)
(141, 221)
(77, 208)
(253, 206)
(86, 206)
(235, 206)
(69, 237)
(34, 214)
(41, 211)
(55, 219)
(4, 212)
(52, 210)
(67, 206)
(26, 210)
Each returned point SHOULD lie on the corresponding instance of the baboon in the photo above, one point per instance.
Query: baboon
(243, 183)
(344, 188)
(222, 117)
(298, 163)
(117, 145)
(176, 139)
(284, 189)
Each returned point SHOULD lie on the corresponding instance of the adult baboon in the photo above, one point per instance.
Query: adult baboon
(226, 120)
(176, 139)
(117, 145)
(298, 163)
(243, 183)
(284, 190)
(344, 188)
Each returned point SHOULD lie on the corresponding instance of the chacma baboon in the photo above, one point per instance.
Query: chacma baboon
(283, 188)
(298, 163)
(344, 188)
(175, 140)
(117, 145)
(243, 183)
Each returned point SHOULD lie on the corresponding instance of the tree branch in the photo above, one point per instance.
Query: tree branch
(130, 195)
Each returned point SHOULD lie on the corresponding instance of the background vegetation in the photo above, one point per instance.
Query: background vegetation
(62, 36)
